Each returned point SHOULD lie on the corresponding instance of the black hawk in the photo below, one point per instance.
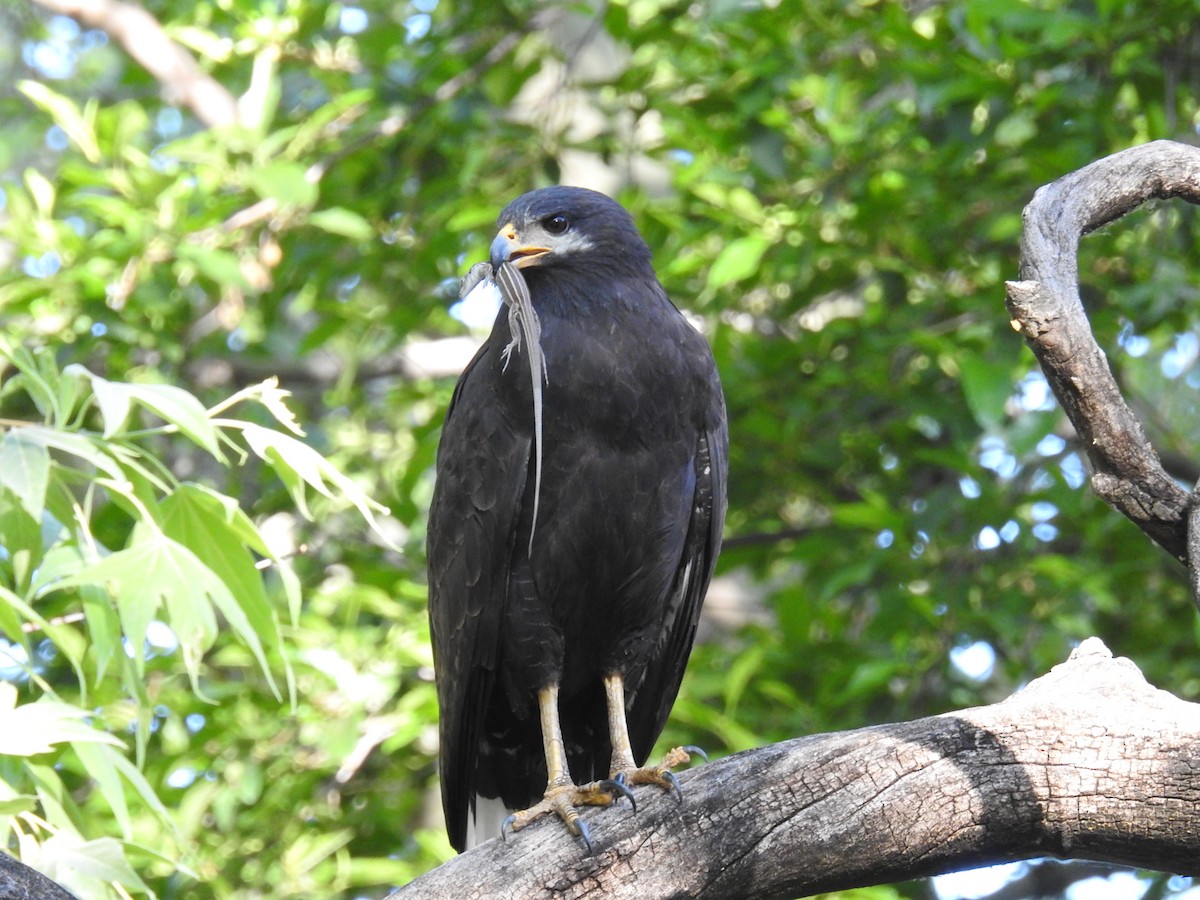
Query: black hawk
(564, 597)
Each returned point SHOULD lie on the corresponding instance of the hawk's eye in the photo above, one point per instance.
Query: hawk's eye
(556, 224)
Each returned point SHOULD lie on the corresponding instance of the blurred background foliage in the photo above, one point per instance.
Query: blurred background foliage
(833, 191)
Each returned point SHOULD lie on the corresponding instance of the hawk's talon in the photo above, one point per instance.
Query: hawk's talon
(661, 775)
(585, 834)
(669, 777)
(617, 786)
(563, 799)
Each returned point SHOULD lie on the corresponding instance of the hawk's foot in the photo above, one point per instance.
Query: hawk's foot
(563, 801)
(661, 774)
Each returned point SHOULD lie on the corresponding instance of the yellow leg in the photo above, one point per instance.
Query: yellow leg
(552, 742)
(618, 730)
(623, 769)
(562, 794)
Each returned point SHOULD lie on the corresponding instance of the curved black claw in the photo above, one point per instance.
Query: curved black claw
(674, 782)
(693, 750)
(617, 786)
(586, 835)
(506, 827)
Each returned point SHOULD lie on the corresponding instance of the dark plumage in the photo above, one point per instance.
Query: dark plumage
(628, 528)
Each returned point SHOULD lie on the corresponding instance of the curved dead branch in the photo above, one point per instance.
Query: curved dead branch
(1046, 309)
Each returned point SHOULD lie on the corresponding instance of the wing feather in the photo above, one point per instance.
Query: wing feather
(651, 703)
(481, 471)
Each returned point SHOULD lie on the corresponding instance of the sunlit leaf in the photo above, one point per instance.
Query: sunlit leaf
(219, 533)
(737, 261)
(158, 572)
(22, 539)
(344, 222)
(299, 465)
(10, 623)
(32, 728)
(103, 625)
(79, 127)
(17, 805)
(86, 866)
(220, 266)
(77, 445)
(25, 470)
(41, 190)
(170, 403)
(285, 182)
(274, 400)
(63, 635)
(113, 773)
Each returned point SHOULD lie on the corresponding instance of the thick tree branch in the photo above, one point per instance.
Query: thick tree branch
(19, 882)
(139, 33)
(1087, 762)
(1046, 309)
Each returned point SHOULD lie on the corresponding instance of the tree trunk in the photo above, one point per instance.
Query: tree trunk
(1087, 762)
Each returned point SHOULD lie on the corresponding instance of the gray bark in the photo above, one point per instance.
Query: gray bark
(19, 882)
(1046, 309)
(1087, 762)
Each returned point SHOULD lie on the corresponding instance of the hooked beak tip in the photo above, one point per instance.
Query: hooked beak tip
(506, 248)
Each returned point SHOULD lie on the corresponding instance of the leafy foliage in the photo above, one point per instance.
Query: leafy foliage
(234, 664)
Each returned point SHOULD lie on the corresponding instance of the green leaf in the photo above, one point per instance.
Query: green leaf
(875, 512)
(103, 625)
(987, 385)
(145, 576)
(737, 261)
(344, 222)
(34, 379)
(22, 803)
(312, 849)
(111, 771)
(218, 532)
(62, 635)
(181, 409)
(274, 400)
(157, 571)
(272, 397)
(129, 576)
(76, 445)
(41, 190)
(115, 404)
(1016, 129)
(220, 266)
(22, 539)
(87, 867)
(298, 464)
(35, 728)
(25, 470)
(99, 768)
(169, 403)
(285, 182)
(10, 623)
(78, 127)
